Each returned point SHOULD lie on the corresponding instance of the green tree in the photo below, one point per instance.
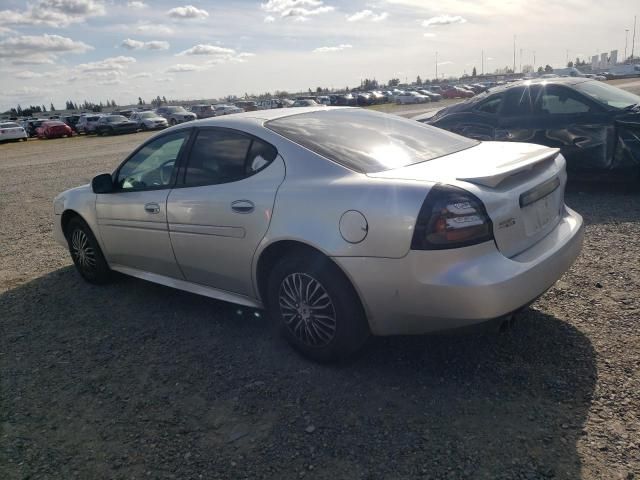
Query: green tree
(474, 72)
(394, 82)
(52, 108)
(418, 80)
(548, 68)
(569, 64)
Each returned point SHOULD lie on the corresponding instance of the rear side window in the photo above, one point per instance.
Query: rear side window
(491, 105)
(222, 156)
(368, 141)
(518, 101)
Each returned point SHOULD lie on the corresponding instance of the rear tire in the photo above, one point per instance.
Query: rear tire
(86, 253)
(316, 308)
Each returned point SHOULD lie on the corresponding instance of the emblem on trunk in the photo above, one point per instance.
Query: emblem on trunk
(510, 222)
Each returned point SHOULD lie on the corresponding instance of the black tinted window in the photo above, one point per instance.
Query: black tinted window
(367, 141)
(519, 101)
(491, 105)
(222, 156)
(556, 100)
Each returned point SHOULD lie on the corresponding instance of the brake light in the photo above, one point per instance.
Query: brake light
(451, 218)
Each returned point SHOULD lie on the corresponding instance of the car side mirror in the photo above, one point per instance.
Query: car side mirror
(102, 183)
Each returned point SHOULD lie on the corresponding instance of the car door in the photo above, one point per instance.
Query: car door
(221, 208)
(132, 220)
(582, 129)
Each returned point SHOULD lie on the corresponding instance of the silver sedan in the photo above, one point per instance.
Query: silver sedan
(340, 222)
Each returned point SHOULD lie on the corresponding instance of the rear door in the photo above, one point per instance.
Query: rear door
(222, 206)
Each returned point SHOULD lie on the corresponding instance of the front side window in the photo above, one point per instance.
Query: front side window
(223, 156)
(557, 100)
(152, 166)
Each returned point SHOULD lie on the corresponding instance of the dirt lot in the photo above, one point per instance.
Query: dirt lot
(134, 380)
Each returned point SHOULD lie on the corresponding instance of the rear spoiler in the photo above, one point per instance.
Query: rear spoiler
(513, 167)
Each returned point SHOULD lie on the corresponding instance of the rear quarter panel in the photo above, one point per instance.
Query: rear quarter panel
(317, 192)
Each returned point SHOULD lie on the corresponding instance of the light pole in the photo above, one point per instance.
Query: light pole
(436, 65)
(514, 54)
(482, 62)
(633, 40)
(626, 40)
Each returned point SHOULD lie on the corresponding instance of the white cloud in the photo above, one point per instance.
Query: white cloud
(187, 12)
(136, 4)
(332, 49)
(367, 15)
(53, 13)
(185, 67)
(152, 29)
(131, 44)
(219, 54)
(429, 35)
(207, 50)
(299, 10)
(446, 62)
(39, 49)
(443, 20)
(141, 75)
(269, 19)
(108, 64)
(7, 31)
(27, 75)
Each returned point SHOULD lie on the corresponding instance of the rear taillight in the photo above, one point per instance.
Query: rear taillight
(451, 218)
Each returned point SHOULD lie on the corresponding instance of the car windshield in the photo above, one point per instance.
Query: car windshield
(607, 94)
(116, 118)
(368, 141)
(9, 125)
(148, 115)
(176, 109)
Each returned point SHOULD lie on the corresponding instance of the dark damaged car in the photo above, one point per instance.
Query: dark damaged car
(595, 125)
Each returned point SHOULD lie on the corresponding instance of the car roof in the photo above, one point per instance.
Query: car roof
(265, 115)
(541, 81)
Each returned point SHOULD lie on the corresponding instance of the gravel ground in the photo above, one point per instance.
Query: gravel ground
(134, 380)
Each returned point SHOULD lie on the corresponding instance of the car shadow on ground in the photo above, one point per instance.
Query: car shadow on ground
(135, 380)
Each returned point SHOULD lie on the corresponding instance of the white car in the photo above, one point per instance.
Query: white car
(411, 97)
(227, 109)
(149, 120)
(11, 131)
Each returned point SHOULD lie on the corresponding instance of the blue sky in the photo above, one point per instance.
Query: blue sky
(53, 50)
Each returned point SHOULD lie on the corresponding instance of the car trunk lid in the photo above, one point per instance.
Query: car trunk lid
(521, 186)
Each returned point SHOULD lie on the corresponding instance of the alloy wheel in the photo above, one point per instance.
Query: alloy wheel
(307, 309)
(82, 251)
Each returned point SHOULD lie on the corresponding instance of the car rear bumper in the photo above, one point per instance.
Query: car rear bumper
(428, 291)
(12, 136)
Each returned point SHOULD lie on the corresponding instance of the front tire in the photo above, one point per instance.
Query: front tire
(316, 308)
(86, 253)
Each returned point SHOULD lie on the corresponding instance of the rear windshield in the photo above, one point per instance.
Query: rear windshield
(368, 141)
(9, 125)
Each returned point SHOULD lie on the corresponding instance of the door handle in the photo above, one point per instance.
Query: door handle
(152, 207)
(242, 206)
